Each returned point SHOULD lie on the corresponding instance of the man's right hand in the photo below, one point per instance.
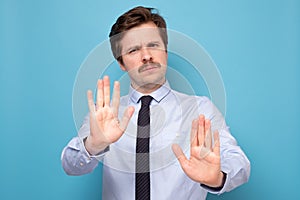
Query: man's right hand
(105, 127)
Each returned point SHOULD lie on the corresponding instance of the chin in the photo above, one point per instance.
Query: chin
(154, 81)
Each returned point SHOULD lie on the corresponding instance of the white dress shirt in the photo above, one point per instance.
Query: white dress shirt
(171, 116)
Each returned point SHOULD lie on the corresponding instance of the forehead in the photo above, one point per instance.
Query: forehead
(144, 33)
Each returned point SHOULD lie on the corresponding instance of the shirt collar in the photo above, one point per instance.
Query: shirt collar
(157, 95)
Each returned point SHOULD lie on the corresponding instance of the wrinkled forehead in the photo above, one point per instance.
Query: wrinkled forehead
(140, 36)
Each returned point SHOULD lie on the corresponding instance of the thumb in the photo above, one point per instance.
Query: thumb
(179, 154)
(126, 118)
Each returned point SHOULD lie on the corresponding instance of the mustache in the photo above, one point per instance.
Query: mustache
(145, 66)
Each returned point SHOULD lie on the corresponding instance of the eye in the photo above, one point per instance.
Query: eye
(133, 50)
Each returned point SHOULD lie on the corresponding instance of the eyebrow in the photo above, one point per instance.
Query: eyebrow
(139, 46)
(154, 42)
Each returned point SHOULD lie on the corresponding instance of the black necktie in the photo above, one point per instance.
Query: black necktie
(142, 175)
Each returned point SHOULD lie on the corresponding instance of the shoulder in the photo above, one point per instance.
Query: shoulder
(185, 98)
(200, 104)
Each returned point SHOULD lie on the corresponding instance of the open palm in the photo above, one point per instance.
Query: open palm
(204, 164)
(105, 127)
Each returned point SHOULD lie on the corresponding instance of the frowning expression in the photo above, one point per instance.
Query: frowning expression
(144, 57)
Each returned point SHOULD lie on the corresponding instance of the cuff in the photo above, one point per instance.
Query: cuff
(215, 189)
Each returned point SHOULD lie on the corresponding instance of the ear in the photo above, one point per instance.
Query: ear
(122, 66)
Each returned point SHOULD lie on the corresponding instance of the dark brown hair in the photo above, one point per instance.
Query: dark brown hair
(132, 18)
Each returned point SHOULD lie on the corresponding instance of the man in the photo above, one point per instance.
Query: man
(177, 124)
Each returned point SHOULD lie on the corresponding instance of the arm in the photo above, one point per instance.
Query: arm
(234, 162)
(75, 158)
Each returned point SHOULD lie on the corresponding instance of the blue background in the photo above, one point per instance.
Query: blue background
(255, 45)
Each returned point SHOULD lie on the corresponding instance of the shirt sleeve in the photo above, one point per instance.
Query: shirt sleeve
(75, 158)
(234, 162)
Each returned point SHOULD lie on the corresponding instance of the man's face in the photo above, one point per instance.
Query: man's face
(144, 57)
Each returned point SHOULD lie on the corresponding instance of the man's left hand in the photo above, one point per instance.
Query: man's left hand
(204, 164)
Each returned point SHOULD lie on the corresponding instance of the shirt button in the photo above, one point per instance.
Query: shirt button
(81, 164)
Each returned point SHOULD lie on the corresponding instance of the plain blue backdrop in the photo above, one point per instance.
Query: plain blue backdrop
(255, 44)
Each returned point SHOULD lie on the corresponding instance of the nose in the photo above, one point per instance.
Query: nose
(146, 55)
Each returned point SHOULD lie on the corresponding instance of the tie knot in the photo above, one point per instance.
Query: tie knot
(146, 100)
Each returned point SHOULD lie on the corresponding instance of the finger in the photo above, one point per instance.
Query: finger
(208, 137)
(194, 140)
(100, 93)
(116, 98)
(216, 148)
(126, 118)
(180, 155)
(201, 130)
(106, 87)
(91, 103)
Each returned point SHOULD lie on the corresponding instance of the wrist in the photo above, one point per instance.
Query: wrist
(93, 149)
(221, 182)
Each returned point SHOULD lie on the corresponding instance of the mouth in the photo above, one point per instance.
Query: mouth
(148, 67)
